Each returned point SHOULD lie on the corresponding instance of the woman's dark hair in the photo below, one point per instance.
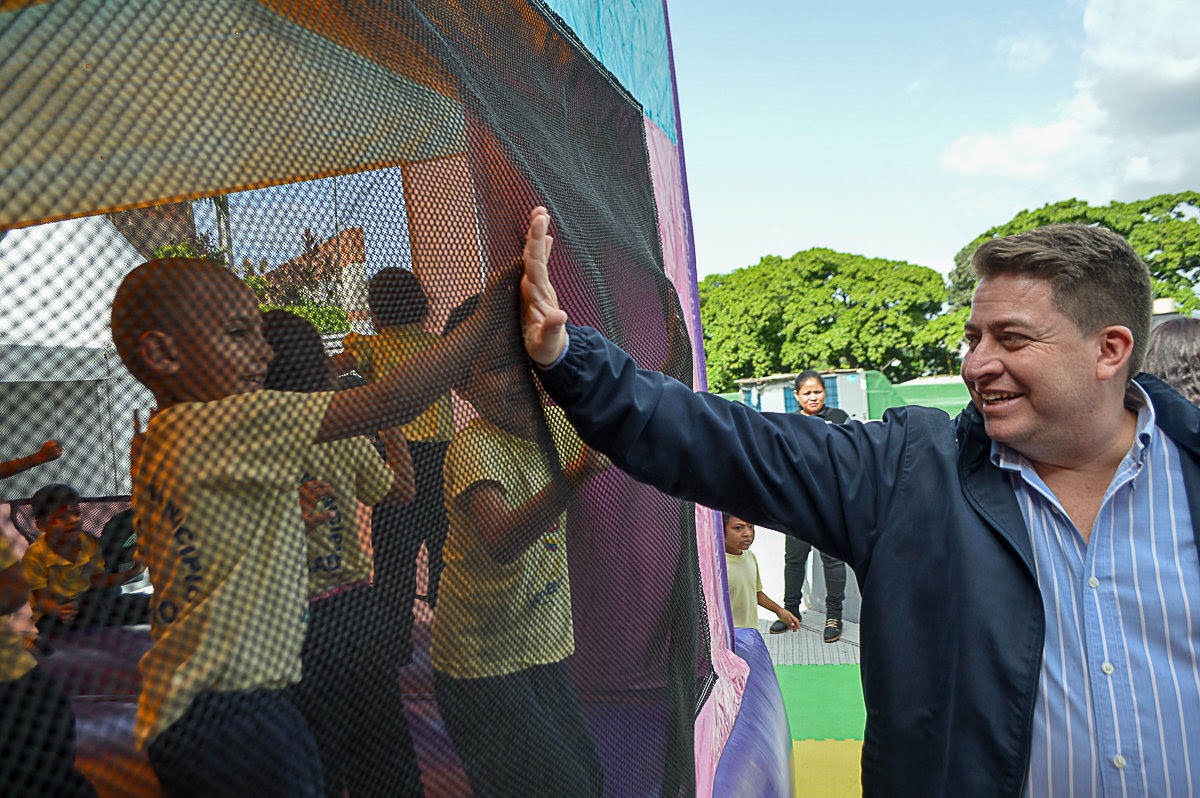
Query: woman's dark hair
(300, 364)
(396, 298)
(805, 376)
(1174, 355)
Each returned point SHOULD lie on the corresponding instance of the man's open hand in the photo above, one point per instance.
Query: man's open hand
(542, 319)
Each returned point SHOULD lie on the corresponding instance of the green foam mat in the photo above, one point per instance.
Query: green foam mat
(823, 702)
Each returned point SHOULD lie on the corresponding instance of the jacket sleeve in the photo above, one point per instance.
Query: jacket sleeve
(831, 485)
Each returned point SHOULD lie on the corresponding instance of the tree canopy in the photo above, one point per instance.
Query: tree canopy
(1164, 230)
(825, 309)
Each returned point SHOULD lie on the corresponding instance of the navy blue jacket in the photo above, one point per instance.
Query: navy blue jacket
(952, 621)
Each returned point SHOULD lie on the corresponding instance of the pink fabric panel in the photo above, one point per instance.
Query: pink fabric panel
(672, 231)
(715, 719)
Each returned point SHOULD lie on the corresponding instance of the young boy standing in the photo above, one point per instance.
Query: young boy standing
(745, 583)
(503, 630)
(399, 309)
(220, 526)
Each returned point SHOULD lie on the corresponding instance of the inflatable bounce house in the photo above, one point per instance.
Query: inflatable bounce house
(359, 170)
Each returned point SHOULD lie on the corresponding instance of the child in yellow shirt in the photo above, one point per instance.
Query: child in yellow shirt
(503, 629)
(399, 309)
(70, 589)
(345, 677)
(219, 521)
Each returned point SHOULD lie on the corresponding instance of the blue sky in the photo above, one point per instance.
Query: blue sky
(903, 130)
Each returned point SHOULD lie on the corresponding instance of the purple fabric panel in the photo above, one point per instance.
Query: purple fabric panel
(757, 759)
(621, 651)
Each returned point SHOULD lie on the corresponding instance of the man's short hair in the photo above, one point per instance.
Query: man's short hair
(50, 498)
(396, 298)
(1097, 278)
(155, 296)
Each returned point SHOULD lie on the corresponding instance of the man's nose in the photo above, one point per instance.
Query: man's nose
(980, 362)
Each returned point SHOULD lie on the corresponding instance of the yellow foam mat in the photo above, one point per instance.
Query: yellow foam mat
(827, 768)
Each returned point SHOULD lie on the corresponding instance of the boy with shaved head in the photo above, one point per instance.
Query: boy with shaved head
(220, 526)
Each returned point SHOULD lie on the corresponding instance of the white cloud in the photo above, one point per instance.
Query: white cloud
(1027, 53)
(1130, 130)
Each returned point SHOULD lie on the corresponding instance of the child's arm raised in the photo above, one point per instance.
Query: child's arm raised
(50, 450)
(399, 459)
(424, 377)
(343, 362)
(508, 533)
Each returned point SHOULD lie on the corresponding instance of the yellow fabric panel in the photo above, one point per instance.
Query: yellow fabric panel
(135, 104)
(827, 768)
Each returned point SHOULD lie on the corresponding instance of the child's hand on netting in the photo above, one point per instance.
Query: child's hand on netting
(542, 319)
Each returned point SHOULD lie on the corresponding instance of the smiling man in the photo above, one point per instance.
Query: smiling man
(1048, 532)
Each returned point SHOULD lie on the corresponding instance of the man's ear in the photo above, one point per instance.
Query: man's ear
(1116, 346)
(158, 352)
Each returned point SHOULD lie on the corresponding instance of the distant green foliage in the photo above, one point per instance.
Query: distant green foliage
(825, 309)
(326, 318)
(198, 245)
(258, 285)
(1165, 230)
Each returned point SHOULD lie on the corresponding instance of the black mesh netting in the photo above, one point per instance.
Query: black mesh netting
(362, 168)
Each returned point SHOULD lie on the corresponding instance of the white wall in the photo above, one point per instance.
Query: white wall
(58, 281)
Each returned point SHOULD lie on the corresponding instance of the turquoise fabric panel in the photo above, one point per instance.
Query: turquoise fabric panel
(630, 38)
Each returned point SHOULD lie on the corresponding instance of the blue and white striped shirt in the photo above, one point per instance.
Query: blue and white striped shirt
(1118, 706)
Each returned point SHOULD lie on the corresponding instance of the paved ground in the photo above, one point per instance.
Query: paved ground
(807, 647)
(826, 755)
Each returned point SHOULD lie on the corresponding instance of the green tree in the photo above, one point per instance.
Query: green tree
(825, 309)
(1165, 230)
(258, 285)
(326, 318)
(195, 246)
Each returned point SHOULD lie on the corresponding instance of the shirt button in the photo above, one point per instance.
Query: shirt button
(1119, 761)
(1107, 668)
(1093, 582)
